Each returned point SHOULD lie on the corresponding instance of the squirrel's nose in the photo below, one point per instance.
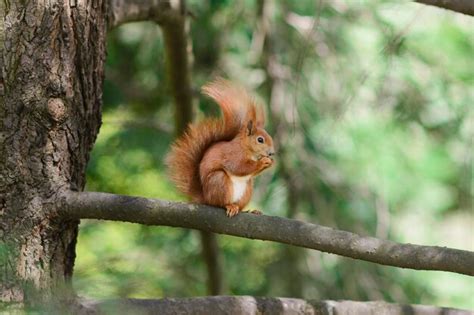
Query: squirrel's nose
(271, 153)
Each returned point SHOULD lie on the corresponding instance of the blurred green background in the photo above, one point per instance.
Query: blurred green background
(371, 106)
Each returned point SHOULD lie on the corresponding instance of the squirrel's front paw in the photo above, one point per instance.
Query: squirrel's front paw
(266, 161)
(232, 210)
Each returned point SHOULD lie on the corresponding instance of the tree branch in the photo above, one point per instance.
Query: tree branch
(461, 6)
(171, 15)
(104, 206)
(256, 305)
(124, 11)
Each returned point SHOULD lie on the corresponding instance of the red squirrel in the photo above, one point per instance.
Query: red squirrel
(215, 160)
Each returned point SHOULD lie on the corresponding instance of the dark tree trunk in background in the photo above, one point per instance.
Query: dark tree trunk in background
(178, 55)
(53, 63)
(291, 258)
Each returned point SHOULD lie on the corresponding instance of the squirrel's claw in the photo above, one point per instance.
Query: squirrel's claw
(232, 210)
(257, 212)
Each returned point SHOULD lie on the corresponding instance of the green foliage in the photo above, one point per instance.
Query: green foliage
(376, 132)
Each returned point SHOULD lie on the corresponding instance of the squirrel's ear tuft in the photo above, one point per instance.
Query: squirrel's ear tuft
(250, 128)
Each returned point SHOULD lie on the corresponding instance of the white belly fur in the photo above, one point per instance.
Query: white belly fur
(239, 185)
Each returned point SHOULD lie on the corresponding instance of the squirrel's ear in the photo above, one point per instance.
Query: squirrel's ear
(250, 128)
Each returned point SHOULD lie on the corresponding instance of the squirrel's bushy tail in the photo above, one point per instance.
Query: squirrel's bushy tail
(187, 152)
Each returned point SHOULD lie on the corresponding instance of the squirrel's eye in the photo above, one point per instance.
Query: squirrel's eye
(260, 140)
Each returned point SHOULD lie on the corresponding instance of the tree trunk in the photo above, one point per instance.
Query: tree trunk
(178, 58)
(53, 63)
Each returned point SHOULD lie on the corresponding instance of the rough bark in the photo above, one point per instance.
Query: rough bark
(147, 211)
(249, 305)
(54, 53)
(461, 6)
(2, 38)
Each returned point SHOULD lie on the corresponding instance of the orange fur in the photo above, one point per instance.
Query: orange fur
(212, 154)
